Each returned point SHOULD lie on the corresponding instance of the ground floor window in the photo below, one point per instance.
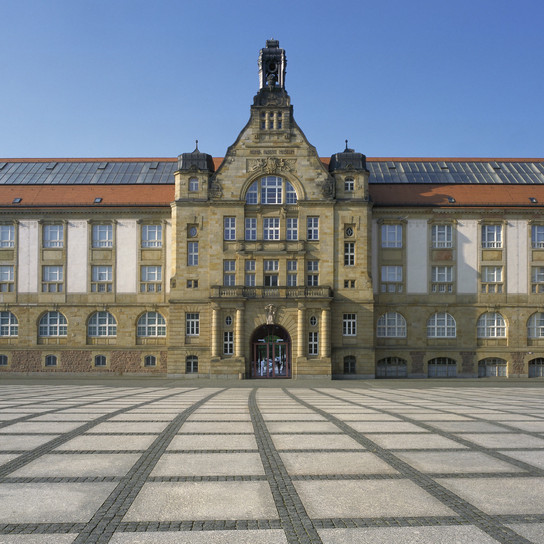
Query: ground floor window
(442, 367)
(536, 368)
(349, 364)
(191, 364)
(391, 367)
(491, 367)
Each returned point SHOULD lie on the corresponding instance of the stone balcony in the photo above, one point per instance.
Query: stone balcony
(271, 292)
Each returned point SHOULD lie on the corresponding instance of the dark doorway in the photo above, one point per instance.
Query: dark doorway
(271, 352)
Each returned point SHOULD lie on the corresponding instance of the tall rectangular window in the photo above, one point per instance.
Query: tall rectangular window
(313, 343)
(192, 324)
(251, 228)
(53, 235)
(291, 273)
(491, 236)
(271, 228)
(192, 254)
(391, 279)
(228, 342)
(271, 190)
(193, 184)
(7, 284)
(537, 236)
(150, 279)
(292, 228)
(349, 325)
(250, 273)
(349, 253)
(441, 236)
(491, 279)
(312, 228)
(349, 185)
(102, 236)
(229, 228)
(101, 279)
(442, 279)
(391, 235)
(271, 268)
(229, 272)
(151, 235)
(52, 279)
(537, 279)
(312, 276)
(7, 235)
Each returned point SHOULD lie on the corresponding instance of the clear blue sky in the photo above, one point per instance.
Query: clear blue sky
(132, 78)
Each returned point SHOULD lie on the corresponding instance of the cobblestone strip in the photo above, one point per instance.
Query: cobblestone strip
(107, 518)
(31, 455)
(295, 521)
(474, 516)
(530, 470)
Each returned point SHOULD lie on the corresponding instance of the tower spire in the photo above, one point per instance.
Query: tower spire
(272, 64)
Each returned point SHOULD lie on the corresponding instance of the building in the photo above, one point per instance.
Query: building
(273, 262)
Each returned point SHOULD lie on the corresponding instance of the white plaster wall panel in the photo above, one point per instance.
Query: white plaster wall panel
(516, 257)
(127, 256)
(28, 257)
(416, 256)
(374, 256)
(467, 257)
(77, 257)
(168, 268)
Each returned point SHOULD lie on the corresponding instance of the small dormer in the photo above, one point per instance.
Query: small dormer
(351, 175)
(193, 175)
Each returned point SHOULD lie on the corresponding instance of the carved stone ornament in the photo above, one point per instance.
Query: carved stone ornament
(270, 310)
(216, 191)
(327, 188)
(271, 165)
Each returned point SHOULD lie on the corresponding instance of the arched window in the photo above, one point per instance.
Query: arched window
(9, 326)
(271, 190)
(391, 325)
(100, 360)
(150, 360)
(442, 367)
(191, 364)
(491, 367)
(50, 360)
(151, 324)
(53, 324)
(349, 364)
(102, 324)
(441, 325)
(535, 326)
(491, 325)
(536, 368)
(391, 367)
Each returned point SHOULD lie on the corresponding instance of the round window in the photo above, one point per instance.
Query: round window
(349, 231)
(192, 231)
(313, 321)
(228, 320)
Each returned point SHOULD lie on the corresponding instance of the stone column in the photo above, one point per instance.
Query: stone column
(325, 333)
(215, 331)
(301, 332)
(239, 333)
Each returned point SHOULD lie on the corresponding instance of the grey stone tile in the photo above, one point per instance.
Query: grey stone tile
(302, 426)
(530, 426)
(386, 427)
(217, 427)
(292, 417)
(264, 536)
(535, 457)
(342, 416)
(468, 427)
(24, 442)
(367, 499)
(214, 416)
(129, 427)
(505, 440)
(5, 458)
(414, 441)
(108, 442)
(533, 532)
(202, 500)
(437, 416)
(38, 539)
(461, 534)
(213, 442)
(315, 442)
(209, 464)
(51, 502)
(67, 416)
(55, 427)
(500, 495)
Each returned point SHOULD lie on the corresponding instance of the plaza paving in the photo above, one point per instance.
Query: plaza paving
(204, 462)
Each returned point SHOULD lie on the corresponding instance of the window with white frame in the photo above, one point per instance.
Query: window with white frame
(442, 279)
(101, 279)
(536, 368)
(292, 228)
(537, 279)
(292, 273)
(251, 228)
(151, 325)
(53, 235)
(391, 325)
(150, 360)
(228, 343)
(271, 269)
(192, 254)
(151, 279)
(193, 184)
(441, 367)
(442, 236)
(192, 324)
(537, 236)
(313, 343)
(391, 279)
(102, 235)
(53, 324)
(391, 367)
(9, 325)
(441, 325)
(491, 325)
(229, 272)
(250, 273)
(349, 325)
(391, 235)
(7, 235)
(271, 228)
(229, 228)
(492, 279)
(252, 194)
(349, 185)
(312, 224)
(535, 326)
(191, 364)
(7, 282)
(271, 190)
(52, 279)
(349, 253)
(491, 236)
(101, 324)
(290, 194)
(312, 276)
(492, 367)
(151, 235)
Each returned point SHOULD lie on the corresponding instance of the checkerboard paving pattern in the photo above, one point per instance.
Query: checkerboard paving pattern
(341, 463)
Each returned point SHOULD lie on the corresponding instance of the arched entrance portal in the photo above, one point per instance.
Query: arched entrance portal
(270, 352)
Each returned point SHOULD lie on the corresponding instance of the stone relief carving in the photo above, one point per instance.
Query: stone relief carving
(216, 191)
(271, 311)
(327, 188)
(271, 165)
